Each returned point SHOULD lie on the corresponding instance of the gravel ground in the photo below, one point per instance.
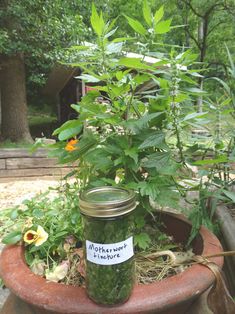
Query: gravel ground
(13, 192)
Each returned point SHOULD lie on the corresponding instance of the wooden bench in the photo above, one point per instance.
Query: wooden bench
(18, 162)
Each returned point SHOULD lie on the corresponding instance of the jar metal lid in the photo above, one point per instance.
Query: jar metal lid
(107, 201)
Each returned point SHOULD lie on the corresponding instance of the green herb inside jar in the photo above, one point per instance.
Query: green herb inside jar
(110, 266)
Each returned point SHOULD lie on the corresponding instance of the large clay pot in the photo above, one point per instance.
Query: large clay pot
(32, 294)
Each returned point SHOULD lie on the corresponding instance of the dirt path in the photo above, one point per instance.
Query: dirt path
(14, 191)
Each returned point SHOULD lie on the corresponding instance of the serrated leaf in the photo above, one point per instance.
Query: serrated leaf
(149, 189)
(147, 13)
(163, 27)
(136, 25)
(155, 140)
(99, 158)
(137, 126)
(142, 240)
(158, 15)
(12, 238)
(132, 152)
(157, 160)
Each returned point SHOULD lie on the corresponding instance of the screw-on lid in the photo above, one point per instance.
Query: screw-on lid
(107, 201)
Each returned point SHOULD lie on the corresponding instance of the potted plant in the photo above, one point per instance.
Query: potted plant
(130, 132)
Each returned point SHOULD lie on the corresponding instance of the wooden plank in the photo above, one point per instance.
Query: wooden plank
(37, 172)
(2, 164)
(19, 152)
(24, 163)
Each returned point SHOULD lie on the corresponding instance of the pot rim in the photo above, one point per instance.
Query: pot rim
(61, 298)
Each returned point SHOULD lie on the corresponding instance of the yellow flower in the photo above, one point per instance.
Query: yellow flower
(30, 236)
(37, 237)
(71, 145)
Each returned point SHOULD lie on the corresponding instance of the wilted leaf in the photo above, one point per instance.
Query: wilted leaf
(58, 273)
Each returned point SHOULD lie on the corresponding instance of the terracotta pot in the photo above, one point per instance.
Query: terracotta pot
(170, 296)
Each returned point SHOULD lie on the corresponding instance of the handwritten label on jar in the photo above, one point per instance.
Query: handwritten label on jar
(109, 254)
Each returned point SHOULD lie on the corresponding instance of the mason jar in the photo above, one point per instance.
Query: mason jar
(108, 242)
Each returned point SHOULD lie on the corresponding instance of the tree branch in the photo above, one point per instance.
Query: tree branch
(215, 26)
(193, 38)
(189, 4)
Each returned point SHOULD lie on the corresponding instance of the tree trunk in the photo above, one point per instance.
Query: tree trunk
(14, 124)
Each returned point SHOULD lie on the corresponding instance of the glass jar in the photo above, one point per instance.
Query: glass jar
(108, 234)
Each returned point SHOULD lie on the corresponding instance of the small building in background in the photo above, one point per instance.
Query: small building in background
(63, 88)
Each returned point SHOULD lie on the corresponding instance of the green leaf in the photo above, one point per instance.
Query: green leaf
(211, 161)
(141, 78)
(158, 160)
(135, 63)
(67, 125)
(122, 39)
(158, 15)
(136, 25)
(149, 189)
(66, 134)
(88, 78)
(12, 238)
(132, 152)
(231, 61)
(157, 139)
(70, 132)
(195, 91)
(97, 21)
(230, 195)
(224, 84)
(194, 115)
(136, 126)
(109, 34)
(163, 27)
(142, 240)
(147, 13)
(99, 158)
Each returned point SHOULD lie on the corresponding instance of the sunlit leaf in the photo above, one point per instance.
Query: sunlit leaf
(147, 13)
(136, 25)
(158, 15)
(163, 27)
(97, 21)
